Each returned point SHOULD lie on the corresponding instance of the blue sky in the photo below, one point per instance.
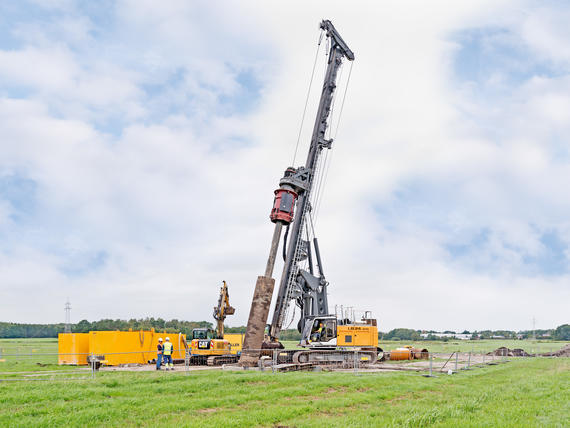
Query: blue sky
(141, 144)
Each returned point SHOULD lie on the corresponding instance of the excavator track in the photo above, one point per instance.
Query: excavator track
(335, 357)
(218, 360)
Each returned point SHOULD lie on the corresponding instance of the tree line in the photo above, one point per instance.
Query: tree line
(15, 330)
(561, 332)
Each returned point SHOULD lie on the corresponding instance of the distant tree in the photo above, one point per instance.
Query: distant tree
(465, 332)
(240, 329)
(402, 334)
(562, 332)
(290, 334)
(13, 330)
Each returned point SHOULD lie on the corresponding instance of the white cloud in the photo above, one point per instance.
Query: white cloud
(178, 198)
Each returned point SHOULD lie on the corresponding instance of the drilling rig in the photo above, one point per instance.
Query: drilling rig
(303, 279)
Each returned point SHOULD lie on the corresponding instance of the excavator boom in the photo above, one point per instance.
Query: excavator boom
(222, 310)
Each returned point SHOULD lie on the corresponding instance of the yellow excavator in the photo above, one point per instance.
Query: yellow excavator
(208, 347)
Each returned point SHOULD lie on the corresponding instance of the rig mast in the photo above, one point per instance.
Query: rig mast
(307, 288)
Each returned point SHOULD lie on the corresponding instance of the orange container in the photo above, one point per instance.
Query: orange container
(72, 348)
(116, 347)
(401, 354)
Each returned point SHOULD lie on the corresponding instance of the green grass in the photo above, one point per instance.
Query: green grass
(39, 345)
(28, 354)
(524, 392)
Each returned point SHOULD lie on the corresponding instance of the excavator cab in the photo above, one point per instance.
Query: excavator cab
(319, 332)
(203, 333)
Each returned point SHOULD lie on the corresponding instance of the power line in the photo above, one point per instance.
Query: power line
(67, 328)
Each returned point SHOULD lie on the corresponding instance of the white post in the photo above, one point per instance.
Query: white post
(355, 362)
(92, 366)
(275, 353)
(187, 361)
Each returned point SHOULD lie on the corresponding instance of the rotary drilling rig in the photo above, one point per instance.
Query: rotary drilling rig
(307, 288)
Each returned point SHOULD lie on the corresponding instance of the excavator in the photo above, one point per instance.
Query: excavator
(325, 337)
(208, 347)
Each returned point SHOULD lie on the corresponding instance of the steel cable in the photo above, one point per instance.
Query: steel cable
(326, 169)
(307, 97)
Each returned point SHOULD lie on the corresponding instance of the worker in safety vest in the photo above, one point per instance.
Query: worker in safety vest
(159, 348)
(167, 354)
(321, 331)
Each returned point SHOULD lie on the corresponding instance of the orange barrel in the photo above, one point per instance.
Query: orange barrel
(401, 354)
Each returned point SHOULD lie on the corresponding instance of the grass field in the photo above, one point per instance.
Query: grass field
(30, 352)
(524, 392)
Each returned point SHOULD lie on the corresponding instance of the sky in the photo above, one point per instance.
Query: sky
(141, 142)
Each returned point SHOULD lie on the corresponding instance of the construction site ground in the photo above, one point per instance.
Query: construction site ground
(437, 363)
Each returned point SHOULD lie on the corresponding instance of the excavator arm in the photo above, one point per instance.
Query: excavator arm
(222, 310)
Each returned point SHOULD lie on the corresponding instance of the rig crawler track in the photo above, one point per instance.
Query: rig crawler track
(327, 357)
(334, 357)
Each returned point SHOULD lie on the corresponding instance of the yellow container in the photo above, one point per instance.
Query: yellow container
(236, 341)
(116, 347)
(131, 347)
(72, 348)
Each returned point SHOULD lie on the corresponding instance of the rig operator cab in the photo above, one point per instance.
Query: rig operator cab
(328, 332)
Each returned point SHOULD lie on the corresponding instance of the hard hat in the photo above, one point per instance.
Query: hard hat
(168, 339)
(160, 339)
